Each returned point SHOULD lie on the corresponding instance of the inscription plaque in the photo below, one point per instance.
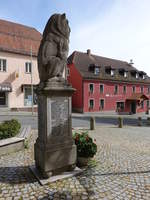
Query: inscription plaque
(59, 116)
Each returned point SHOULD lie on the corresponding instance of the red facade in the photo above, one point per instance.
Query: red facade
(97, 95)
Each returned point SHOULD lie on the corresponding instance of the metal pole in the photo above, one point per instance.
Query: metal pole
(31, 80)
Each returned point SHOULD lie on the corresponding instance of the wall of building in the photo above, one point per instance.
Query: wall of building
(109, 97)
(16, 65)
(75, 79)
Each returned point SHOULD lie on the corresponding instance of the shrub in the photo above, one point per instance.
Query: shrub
(85, 145)
(9, 128)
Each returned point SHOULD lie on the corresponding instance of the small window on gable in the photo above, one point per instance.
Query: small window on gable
(3, 65)
(28, 67)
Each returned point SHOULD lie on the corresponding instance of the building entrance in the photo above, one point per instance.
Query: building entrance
(133, 107)
(2, 98)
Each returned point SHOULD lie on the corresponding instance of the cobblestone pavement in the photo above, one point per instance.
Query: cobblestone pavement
(121, 171)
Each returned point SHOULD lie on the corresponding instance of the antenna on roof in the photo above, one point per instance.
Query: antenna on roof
(131, 62)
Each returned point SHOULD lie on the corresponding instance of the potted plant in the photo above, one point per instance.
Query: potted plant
(86, 147)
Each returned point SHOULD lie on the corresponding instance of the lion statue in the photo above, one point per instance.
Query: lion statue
(53, 51)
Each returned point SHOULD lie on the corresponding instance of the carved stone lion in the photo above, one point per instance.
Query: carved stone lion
(53, 51)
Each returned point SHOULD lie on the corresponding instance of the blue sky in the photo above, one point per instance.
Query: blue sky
(112, 28)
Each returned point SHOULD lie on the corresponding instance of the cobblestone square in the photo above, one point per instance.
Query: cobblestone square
(122, 170)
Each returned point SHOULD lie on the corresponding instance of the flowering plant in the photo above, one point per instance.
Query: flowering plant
(85, 145)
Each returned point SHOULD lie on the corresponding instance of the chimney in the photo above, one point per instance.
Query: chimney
(131, 62)
(88, 52)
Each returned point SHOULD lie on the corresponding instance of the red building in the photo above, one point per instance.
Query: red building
(104, 84)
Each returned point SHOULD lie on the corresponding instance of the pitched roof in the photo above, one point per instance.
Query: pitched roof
(137, 96)
(83, 61)
(17, 38)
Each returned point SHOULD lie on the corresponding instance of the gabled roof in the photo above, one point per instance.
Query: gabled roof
(137, 97)
(82, 61)
(17, 38)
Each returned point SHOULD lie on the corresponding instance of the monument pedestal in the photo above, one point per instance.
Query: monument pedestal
(55, 150)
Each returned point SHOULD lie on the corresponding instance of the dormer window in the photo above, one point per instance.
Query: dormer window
(134, 74)
(125, 74)
(109, 70)
(97, 70)
(137, 75)
(142, 75)
(112, 72)
(94, 69)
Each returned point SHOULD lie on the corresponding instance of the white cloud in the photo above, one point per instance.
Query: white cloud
(123, 32)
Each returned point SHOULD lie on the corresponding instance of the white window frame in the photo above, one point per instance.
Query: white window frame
(89, 88)
(142, 89)
(2, 65)
(135, 89)
(120, 102)
(100, 88)
(93, 103)
(100, 104)
(115, 89)
(27, 70)
(124, 92)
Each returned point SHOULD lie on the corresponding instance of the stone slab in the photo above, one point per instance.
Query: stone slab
(51, 179)
(11, 145)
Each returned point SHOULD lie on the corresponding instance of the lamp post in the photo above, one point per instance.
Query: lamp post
(31, 81)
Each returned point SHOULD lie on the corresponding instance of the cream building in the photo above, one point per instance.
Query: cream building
(18, 69)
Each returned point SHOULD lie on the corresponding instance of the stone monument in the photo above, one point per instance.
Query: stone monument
(55, 150)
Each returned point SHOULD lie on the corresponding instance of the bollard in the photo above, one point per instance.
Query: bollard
(148, 121)
(92, 123)
(139, 121)
(120, 122)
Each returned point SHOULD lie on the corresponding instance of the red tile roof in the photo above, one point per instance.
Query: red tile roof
(17, 38)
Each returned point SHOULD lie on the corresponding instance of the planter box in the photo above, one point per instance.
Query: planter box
(11, 145)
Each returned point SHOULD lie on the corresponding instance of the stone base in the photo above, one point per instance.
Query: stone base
(55, 160)
(51, 179)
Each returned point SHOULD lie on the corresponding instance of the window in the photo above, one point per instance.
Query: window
(2, 65)
(120, 106)
(124, 89)
(101, 104)
(28, 67)
(68, 71)
(112, 72)
(97, 71)
(101, 89)
(147, 103)
(137, 75)
(133, 89)
(148, 90)
(125, 74)
(91, 104)
(91, 87)
(28, 97)
(116, 89)
(142, 104)
(142, 89)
